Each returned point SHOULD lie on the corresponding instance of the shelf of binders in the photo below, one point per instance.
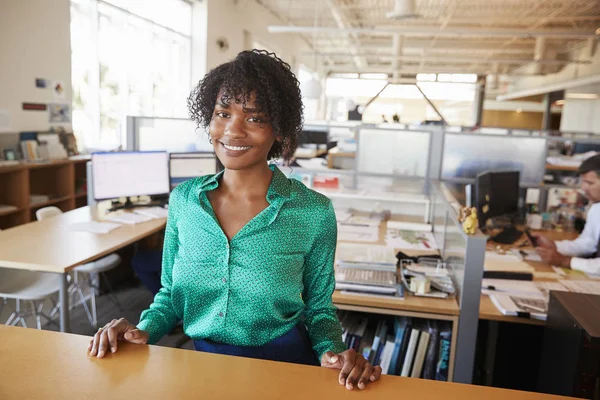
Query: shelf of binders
(402, 345)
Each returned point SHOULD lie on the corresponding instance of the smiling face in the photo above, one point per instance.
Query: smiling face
(242, 134)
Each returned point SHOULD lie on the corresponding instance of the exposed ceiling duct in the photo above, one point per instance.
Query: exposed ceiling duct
(403, 9)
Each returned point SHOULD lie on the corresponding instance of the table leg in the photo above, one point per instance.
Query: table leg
(65, 323)
(490, 353)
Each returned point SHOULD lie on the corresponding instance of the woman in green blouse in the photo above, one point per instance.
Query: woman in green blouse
(248, 254)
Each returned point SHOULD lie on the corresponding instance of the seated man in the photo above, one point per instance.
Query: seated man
(583, 253)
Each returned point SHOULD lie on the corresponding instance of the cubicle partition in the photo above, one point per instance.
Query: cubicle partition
(464, 257)
(175, 135)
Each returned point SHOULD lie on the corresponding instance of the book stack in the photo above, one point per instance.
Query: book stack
(401, 346)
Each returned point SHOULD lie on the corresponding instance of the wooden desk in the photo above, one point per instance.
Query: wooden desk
(487, 309)
(51, 246)
(53, 365)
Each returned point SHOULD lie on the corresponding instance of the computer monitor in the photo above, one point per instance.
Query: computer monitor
(496, 194)
(185, 166)
(127, 174)
(313, 136)
(579, 148)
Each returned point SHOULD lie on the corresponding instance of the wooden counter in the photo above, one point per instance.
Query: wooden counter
(50, 365)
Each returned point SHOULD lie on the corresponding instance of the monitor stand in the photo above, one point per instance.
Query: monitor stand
(129, 204)
(126, 206)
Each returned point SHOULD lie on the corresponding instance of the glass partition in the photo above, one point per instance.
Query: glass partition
(171, 134)
(466, 155)
(464, 256)
(394, 152)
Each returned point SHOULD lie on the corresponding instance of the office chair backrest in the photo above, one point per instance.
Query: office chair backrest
(47, 212)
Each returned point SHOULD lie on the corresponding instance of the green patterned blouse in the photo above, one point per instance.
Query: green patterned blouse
(275, 272)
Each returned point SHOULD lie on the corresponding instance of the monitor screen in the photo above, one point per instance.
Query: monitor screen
(496, 194)
(124, 174)
(313, 136)
(184, 166)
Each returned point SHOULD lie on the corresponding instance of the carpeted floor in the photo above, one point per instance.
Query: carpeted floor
(133, 299)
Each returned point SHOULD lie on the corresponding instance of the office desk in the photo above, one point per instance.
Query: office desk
(51, 246)
(54, 365)
(487, 309)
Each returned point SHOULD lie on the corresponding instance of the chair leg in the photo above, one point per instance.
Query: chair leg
(38, 318)
(10, 318)
(85, 306)
(111, 292)
(94, 309)
(55, 307)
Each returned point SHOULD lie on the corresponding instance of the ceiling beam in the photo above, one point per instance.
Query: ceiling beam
(448, 32)
(342, 22)
(387, 69)
(453, 59)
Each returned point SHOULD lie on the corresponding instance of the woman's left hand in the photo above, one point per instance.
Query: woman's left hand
(356, 371)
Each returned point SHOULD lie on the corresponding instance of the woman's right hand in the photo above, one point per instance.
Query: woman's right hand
(108, 336)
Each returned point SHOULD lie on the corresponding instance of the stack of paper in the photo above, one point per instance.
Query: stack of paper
(410, 240)
(582, 286)
(505, 262)
(128, 218)
(366, 256)
(93, 227)
(366, 269)
(526, 305)
(152, 212)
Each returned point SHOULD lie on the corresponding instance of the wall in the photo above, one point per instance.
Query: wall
(581, 116)
(512, 119)
(34, 43)
(240, 22)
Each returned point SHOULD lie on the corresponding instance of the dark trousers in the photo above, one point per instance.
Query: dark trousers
(147, 265)
(293, 347)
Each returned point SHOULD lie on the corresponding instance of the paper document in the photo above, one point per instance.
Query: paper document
(521, 305)
(152, 212)
(409, 226)
(581, 286)
(94, 227)
(505, 262)
(128, 218)
(366, 254)
(354, 233)
(410, 240)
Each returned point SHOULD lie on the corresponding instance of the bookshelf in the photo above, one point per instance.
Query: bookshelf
(28, 186)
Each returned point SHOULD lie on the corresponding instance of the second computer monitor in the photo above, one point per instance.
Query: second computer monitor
(185, 166)
(496, 194)
(127, 174)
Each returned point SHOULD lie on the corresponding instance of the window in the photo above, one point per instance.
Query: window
(127, 60)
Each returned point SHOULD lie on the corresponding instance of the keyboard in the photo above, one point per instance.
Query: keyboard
(507, 236)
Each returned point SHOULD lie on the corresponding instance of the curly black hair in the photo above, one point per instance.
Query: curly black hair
(277, 95)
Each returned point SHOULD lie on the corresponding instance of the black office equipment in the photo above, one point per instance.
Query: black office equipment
(579, 148)
(497, 194)
(308, 136)
(570, 364)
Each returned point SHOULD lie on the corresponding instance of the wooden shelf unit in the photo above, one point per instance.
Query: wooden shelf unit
(411, 306)
(62, 180)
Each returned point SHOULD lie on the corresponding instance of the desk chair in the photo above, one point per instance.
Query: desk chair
(99, 267)
(28, 286)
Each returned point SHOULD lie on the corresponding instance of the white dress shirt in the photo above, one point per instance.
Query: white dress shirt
(585, 245)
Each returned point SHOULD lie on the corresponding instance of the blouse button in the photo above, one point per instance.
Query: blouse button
(220, 314)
